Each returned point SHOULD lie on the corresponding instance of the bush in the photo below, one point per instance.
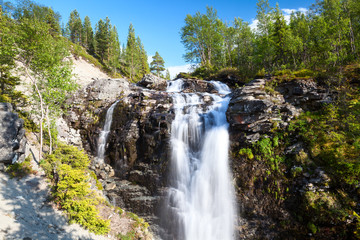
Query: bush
(304, 73)
(68, 168)
(203, 72)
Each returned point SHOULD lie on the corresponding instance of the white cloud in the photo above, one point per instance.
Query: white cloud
(253, 24)
(150, 59)
(175, 70)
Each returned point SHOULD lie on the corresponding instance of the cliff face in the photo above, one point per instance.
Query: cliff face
(138, 148)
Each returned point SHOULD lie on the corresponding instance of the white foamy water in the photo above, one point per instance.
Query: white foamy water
(201, 196)
(105, 133)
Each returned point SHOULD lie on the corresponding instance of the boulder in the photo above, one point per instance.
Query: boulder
(153, 82)
(12, 135)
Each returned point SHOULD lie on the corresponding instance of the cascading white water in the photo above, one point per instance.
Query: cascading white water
(201, 197)
(105, 132)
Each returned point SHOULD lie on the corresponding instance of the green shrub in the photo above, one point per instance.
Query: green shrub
(204, 72)
(20, 170)
(261, 73)
(304, 73)
(68, 167)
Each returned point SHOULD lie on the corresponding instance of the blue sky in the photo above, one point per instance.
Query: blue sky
(158, 22)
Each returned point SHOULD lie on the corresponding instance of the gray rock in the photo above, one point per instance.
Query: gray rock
(12, 135)
(153, 82)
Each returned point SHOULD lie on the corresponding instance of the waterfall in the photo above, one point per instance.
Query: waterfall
(105, 132)
(201, 197)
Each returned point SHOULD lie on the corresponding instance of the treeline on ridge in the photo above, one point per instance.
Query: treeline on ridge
(325, 37)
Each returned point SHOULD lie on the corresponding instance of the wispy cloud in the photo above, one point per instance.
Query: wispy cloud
(175, 70)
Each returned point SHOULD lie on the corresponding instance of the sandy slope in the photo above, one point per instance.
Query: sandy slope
(25, 212)
(86, 72)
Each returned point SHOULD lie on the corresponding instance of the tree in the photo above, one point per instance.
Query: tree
(244, 47)
(135, 57)
(29, 9)
(202, 37)
(114, 49)
(167, 76)
(8, 51)
(157, 64)
(88, 36)
(75, 27)
(43, 57)
(143, 59)
(279, 37)
(264, 44)
(102, 36)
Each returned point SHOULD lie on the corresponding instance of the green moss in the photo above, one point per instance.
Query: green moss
(246, 152)
(312, 227)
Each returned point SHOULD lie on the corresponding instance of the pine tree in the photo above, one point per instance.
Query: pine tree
(143, 59)
(75, 27)
(167, 76)
(114, 47)
(131, 55)
(102, 36)
(88, 36)
(157, 64)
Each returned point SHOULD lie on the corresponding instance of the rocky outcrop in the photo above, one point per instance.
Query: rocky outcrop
(151, 81)
(89, 103)
(256, 109)
(12, 135)
(304, 94)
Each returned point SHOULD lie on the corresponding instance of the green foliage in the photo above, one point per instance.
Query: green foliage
(68, 167)
(20, 170)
